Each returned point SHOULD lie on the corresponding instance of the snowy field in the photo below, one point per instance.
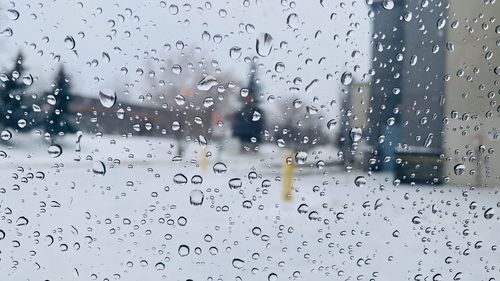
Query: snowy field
(128, 209)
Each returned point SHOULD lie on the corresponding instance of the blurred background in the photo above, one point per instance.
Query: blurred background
(290, 104)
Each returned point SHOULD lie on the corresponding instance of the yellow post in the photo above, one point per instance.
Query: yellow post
(203, 159)
(287, 176)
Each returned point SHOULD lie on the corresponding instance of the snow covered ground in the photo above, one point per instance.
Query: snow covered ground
(148, 215)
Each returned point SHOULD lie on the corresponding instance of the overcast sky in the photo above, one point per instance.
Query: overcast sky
(132, 32)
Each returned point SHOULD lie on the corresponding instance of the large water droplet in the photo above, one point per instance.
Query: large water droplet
(238, 263)
(54, 151)
(293, 20)
(346, 78)
(107, 97)
(180, 179)
(263, 44)
(207, 83)
(459, 169)
(183, 250)
(388, 4)
(219, 168)
(303, 208)
(489, 213)
(235, 53)
(69, 42)
(235, 183)
(196, 197)
(6, 135)
(12, 14)
(356, 133)
(360, 181)
(99, 168)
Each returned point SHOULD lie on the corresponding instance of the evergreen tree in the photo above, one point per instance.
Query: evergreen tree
(249, 122)
(59, 98)
(11, 95)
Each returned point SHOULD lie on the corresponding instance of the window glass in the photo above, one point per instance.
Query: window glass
(249, 140)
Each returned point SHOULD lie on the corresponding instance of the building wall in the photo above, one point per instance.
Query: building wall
(472, 94)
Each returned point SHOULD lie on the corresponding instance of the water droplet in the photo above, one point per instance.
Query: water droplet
(120, 113)
(22, 221)
(176, 69)
(441, 22)
(6, 135)
(256, 116)
(293, 20)
(219, 168)
(356, 133)
(312, 85)
(301, 157)
(360, 181)
(99, 168)
(272, 277)
(297, 103)
(238, 263)
(28, 80)
(180, 100)
(107, 97)
(54, 151)
(196, 197)
(208, 102)
(407, 16)
(263, 44)
(176, 126)
(428, 140)
(303, 208)
(346, 78)
(12, 14)
(207, 83)
(388, 4)
(331, 124)
(21, 123)
(489, 213)
(235, 52)
(416, 220)
(279, 67)
(180, 179)
(459, 169)
(69, 42)
(160, 266)
(7, 32)
(183, 250)
(235, 183)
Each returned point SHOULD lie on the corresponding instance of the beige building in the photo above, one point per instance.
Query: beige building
(471, 105)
